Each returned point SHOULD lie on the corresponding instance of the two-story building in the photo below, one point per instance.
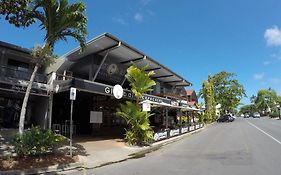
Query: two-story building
(94, 73)
(15, 71)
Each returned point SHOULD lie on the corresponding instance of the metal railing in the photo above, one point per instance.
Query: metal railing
(11, 72)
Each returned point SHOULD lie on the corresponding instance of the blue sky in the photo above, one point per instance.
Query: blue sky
(194, 38)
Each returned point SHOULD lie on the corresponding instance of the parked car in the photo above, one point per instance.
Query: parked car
(256, 115)
(225, 118)
(246, 116)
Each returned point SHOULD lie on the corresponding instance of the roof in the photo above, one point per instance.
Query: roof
(124, 54)
(14, 47)
(189, 92)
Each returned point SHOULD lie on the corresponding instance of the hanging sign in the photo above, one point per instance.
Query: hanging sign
(118, 91)
(146, 107)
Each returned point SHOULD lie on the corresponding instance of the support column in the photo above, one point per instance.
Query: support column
(99, 68)
(50, 110)
(180, 113)
(91, 69)
(167, 120)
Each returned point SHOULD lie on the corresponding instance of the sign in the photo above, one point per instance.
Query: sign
(160, 135)
(174, 132)
(118, 91)
(103, 89)
(184, 130)
(174, 103)
(72, 93)
(191, 128)
(146, 107)
(95, 117)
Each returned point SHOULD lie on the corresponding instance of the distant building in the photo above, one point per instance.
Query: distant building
(191, 97)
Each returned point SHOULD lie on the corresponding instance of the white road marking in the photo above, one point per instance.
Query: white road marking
(265, 133)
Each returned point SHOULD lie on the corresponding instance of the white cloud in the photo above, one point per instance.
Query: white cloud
(258, 76)
(138, 17)
(275, 80)
(273, 36)
(120, 20)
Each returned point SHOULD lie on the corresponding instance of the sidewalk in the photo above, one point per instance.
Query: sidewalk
(101, 154)
(98, 153)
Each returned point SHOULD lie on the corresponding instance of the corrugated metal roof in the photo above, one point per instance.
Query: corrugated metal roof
(124, 54)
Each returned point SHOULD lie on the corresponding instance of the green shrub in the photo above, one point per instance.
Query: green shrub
(139, 132)
(274, 114)
(35, 141)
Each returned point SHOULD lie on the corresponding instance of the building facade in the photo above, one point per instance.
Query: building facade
(15, 71)
(93, 73)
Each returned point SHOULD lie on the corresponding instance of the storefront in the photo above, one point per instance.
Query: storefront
(94, 73)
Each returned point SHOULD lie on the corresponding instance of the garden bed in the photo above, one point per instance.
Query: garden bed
(35, 162)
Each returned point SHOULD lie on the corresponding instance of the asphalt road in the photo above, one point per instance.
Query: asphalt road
(245, 146)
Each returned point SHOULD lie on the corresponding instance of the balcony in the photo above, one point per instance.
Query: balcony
(15, 74)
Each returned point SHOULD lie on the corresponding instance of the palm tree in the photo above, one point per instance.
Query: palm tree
(58, 18)
(140, 81)
(139, 131)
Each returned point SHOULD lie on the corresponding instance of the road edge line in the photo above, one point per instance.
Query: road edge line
(265, 133)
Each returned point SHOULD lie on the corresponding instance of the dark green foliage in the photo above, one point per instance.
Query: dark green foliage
(228, 91)
(266, 100)
(274, 114)
(17, 12)
(35, 141)
(139, 132)
(140, 80)
(57, 17)
(248, 109)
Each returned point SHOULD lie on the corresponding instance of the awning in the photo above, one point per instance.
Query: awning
(157, 104)
(123, 53)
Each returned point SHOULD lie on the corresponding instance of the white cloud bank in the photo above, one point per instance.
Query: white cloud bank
(273, 36)
(258, 76)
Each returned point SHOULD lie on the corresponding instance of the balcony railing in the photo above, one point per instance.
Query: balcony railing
(14, 73)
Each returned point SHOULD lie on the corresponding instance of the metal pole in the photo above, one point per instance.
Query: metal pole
(167, 119)
(71, 110)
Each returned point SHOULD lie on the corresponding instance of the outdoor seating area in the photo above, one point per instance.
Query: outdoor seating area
(63, 129)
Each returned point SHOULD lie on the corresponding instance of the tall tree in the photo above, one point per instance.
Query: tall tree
(58, 18)
(228, 91)
(208, 94)
(251, 108)
(266, 100)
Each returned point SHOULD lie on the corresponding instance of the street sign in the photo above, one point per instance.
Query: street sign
(72, 93)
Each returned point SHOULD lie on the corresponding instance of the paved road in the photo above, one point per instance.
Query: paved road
(246, 146)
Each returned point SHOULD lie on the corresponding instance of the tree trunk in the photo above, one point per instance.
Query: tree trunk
(25, 100)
